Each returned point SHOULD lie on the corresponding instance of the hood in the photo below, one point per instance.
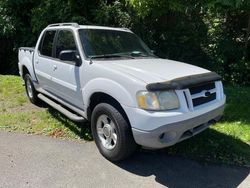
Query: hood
(153, 70)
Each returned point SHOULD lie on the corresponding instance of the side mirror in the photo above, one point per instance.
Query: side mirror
(70, 55)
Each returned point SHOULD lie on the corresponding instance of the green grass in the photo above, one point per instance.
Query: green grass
(18, 114)
(227, 142)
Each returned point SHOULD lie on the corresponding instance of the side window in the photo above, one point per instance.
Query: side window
(47, 44)
(65, 41)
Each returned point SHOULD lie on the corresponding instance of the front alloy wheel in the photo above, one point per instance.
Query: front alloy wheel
(112, 133)
(106, 132)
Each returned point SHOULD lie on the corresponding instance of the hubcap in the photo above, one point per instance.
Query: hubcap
(29, 89)
(106, 132)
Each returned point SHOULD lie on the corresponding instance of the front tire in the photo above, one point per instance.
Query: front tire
(112, 133)
(30, 90)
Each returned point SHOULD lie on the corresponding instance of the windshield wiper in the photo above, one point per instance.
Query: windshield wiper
(141, 54)
(110, 56)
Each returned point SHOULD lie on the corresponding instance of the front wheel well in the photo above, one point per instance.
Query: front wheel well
(100, 97)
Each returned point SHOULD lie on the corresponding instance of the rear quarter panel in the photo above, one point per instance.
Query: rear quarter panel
(25, 60)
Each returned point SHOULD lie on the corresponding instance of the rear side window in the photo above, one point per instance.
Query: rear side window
(65, 41)
(47, 45)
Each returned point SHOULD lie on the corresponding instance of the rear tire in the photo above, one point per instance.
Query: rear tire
(112, 133)
(30, 90)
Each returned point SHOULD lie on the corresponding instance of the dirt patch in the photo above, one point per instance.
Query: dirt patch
(57, 133)
(27, 107)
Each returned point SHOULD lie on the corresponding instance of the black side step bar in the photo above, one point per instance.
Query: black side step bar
(61, 109)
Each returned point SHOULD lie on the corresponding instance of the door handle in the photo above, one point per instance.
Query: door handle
(54, 67)
(37, 62)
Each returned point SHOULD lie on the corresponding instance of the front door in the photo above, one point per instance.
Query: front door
(66, 74)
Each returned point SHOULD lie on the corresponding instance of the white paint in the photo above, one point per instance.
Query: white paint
(121, 79)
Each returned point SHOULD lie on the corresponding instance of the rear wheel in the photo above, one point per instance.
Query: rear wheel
(30, 90)
(112, 133)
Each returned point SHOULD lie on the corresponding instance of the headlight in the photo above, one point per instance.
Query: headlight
(165, 100)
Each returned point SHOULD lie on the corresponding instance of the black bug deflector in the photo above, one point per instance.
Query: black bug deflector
(184, 82)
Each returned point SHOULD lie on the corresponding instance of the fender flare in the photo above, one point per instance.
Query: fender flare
(109, 87)
(26, 63)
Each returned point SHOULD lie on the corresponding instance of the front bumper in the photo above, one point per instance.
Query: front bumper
(170, 134)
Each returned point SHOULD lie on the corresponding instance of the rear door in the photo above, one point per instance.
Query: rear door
(43, 59)
(66, 74)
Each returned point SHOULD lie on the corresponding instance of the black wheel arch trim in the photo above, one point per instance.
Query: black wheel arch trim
(184, 82)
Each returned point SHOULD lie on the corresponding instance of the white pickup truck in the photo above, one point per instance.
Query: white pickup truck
(109, 77)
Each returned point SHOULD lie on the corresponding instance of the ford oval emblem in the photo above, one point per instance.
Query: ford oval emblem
(207, 93)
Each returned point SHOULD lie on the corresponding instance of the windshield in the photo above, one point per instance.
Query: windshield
(112, 43)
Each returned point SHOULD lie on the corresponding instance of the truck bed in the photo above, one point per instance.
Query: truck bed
(31, 49)
(25, 57)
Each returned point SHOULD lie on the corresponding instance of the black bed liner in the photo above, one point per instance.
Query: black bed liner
(184, 82)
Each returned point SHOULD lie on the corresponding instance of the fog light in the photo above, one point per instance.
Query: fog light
(167, 136)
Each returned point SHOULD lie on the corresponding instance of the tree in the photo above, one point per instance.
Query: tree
(213, 34)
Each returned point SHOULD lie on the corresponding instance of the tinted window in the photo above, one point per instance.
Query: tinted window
(65, 41)
(47, 45)
(99, 42)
